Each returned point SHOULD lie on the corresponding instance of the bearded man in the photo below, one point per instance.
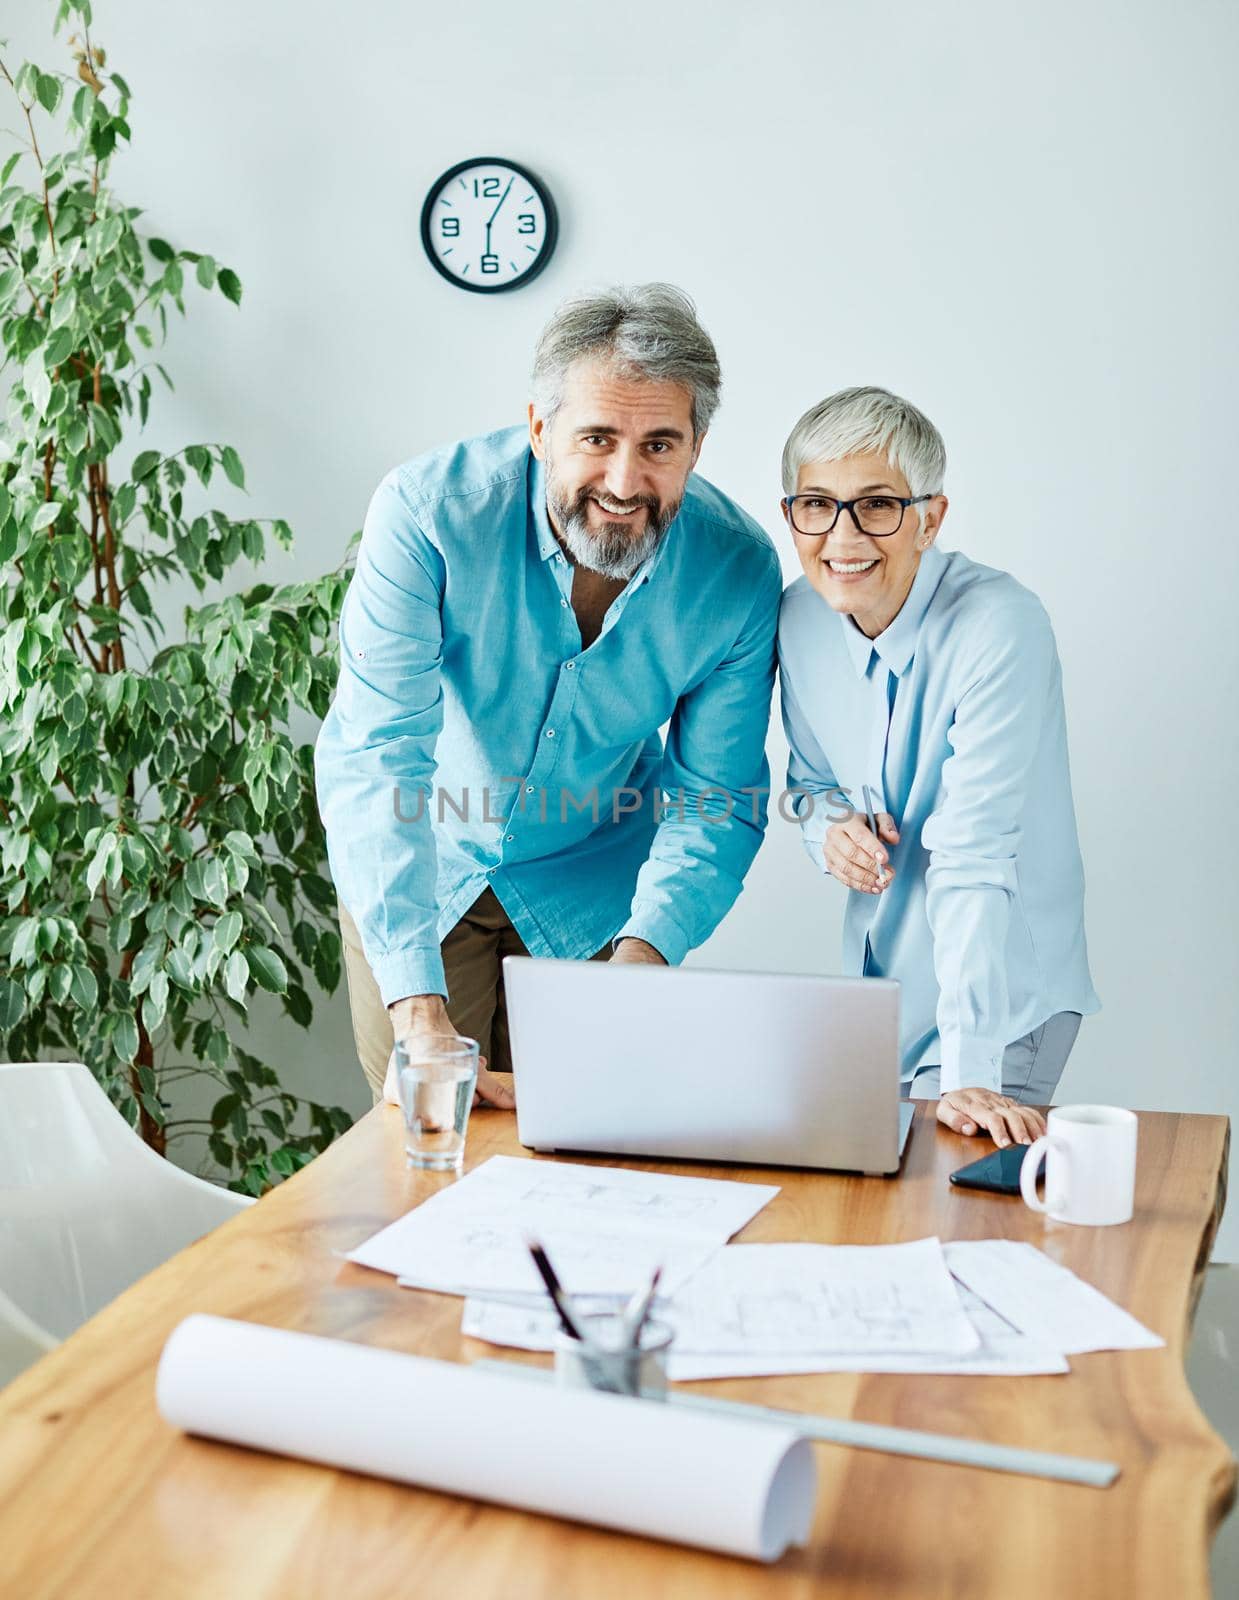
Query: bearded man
(529, 609)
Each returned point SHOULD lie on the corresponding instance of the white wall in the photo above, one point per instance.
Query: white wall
(1022, 218)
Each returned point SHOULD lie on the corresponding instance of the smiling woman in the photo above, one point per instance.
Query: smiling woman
(853, 467)
(934, 694)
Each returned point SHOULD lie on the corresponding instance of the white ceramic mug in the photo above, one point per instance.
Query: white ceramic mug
(1090, 1165)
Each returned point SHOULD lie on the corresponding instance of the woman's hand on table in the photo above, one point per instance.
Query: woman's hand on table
(973, 1111)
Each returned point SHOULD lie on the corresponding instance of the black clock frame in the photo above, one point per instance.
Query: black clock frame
(548, 207)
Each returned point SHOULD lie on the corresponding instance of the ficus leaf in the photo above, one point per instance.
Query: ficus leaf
(155, 1004)
(83, 989)
(236, 975)
(23, 950)
(49, 91)
(37, 382)
(12, 1004)
(266, 968)
(180, 970)
(231, 463)
(125, 1036)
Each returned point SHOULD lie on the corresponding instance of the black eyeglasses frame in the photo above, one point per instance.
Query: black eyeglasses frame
(904, 501)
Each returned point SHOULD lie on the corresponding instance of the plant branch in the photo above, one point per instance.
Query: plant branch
(116, 655)
(94, 538)
(16, 260)
(47, 203)
(94, 660)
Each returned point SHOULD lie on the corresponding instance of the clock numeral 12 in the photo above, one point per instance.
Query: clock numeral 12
(489, 189)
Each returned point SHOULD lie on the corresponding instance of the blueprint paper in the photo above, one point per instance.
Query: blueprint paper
(996, 1347)
(1001, 1352)
(480, 1257)
(791, 1299)
(659, 1471)
(1043, 1300)
(604, 1228)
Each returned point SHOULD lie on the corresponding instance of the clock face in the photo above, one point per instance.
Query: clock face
(489, 225)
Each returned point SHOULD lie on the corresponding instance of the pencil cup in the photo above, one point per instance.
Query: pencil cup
(604, 1360)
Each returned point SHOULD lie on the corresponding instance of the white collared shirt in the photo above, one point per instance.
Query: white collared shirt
(954, 717)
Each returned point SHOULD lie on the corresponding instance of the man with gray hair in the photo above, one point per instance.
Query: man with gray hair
(529, 609)
(923, 705)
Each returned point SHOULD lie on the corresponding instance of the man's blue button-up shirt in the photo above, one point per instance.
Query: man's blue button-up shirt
(472, 741)
(953, 719)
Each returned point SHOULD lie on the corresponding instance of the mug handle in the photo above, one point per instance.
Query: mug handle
(1029, 1169)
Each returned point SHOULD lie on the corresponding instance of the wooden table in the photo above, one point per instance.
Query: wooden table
(99, 1497)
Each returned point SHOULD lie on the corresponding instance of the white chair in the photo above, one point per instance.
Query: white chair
(86, 1208)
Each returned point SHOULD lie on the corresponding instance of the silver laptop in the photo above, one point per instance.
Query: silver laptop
(755, 1067)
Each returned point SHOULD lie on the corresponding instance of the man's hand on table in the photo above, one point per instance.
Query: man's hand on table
(982, 1111)
(427, 1013)
(635, 953)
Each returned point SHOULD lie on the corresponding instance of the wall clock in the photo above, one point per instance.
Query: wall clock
(489, 225)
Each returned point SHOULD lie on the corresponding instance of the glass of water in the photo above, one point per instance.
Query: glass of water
(436, 1074)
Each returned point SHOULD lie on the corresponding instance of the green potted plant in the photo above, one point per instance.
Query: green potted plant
(161, 855)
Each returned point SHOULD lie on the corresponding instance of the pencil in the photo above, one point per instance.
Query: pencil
(871, 817)
(554, 1288)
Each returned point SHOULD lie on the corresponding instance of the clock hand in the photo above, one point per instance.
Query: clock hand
(495, 212)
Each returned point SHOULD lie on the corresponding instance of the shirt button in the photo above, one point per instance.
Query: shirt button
(529, 788)
(508, 837)
(564, 603)
(569, 666)
(550, 733)
(490, 872)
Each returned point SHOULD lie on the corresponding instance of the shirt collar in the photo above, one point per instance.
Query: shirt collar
(859, 647)
(539, 522)
(896, 644)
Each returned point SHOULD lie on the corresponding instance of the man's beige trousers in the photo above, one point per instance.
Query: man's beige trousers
(473, 953)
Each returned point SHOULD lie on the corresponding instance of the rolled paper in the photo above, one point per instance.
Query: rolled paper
(635, 1465)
